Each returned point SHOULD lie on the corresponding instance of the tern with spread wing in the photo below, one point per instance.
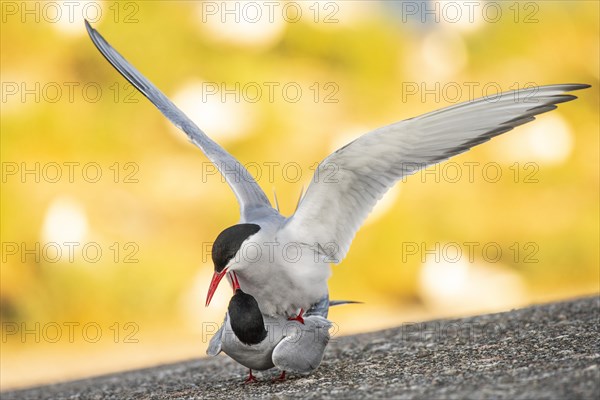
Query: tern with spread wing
(284, 263)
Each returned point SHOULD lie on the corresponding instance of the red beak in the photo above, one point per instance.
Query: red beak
(214, 283)
(234, 281)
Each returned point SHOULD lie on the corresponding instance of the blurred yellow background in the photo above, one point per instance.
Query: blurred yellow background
(108, 213)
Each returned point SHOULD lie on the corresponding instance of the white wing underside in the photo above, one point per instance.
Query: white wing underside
(351, 180)
(251, 198)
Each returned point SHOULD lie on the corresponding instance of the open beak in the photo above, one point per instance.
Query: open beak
(214, 283)
(234, 281)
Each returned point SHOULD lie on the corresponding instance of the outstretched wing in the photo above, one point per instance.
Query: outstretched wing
(249, 195)
(349, 182)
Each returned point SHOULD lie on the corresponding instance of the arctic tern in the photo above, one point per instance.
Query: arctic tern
(284, 263)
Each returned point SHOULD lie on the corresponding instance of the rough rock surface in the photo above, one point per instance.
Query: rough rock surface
(549, 351)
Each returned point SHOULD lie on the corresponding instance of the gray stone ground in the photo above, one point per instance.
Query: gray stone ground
(543, 352)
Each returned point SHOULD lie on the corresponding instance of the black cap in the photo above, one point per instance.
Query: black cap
(246, 319)
(228, 243)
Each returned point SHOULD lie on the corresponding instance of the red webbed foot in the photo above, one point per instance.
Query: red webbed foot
(251, 378)
(281, 378)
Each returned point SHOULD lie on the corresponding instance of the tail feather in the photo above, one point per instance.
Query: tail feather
(321, 307)
(342, 302)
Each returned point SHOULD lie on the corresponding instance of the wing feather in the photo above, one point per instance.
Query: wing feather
(250, 196)
(332, 210)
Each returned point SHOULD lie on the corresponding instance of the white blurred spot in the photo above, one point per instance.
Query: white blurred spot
(384, 205)
(65, 221)
(196, 316)
(465, 16)
(443, 280)
(443, 53)
(548, 140)
(67, 16)
(220, 117)
(346, 136)
(252, 24)
(451, 284)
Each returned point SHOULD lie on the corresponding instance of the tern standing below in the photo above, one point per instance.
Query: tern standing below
(295, 253)
(261, 342)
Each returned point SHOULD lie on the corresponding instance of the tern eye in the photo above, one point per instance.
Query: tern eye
(229, 242)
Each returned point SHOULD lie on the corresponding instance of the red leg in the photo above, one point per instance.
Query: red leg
(281, 377)
(298, 317)
(251, 378)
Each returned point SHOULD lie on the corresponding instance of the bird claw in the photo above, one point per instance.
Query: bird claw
(298, 317)
(281, 378)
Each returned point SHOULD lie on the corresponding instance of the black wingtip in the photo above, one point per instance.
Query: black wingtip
(582, 86)
(93, 34)
(563, 98)
(577, 86)
(88, 27)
